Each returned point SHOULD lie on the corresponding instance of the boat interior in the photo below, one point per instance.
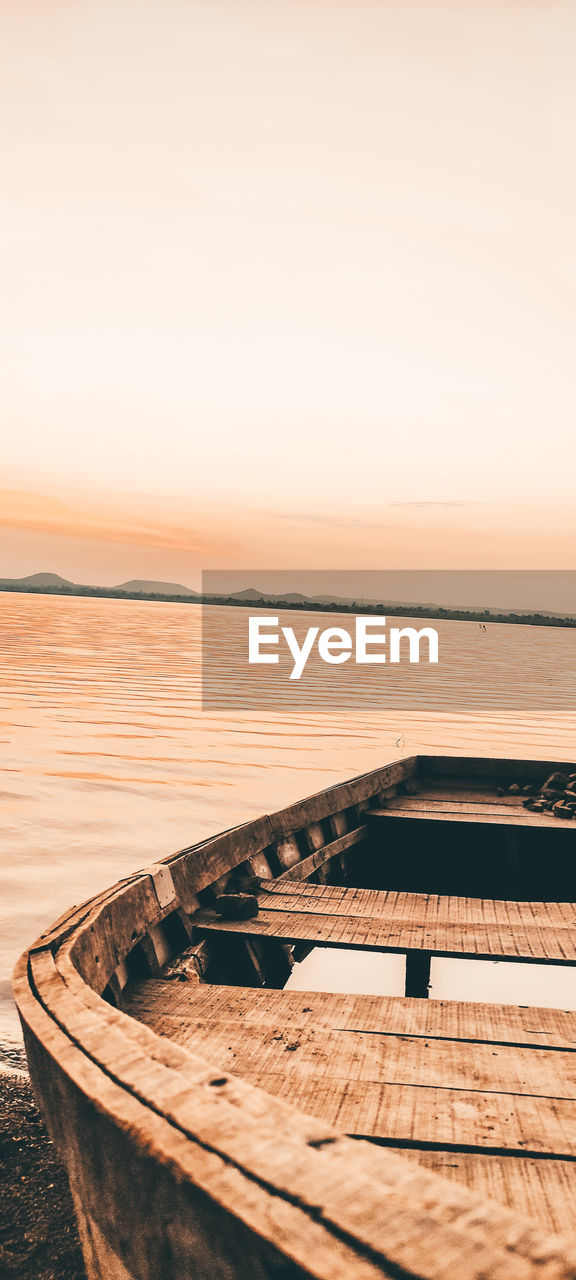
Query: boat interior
(432, 865)
(428, 858)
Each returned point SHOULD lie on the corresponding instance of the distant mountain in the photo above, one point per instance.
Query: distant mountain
(249, 594)
(145, 589)
(155, 588)
(40, 580)
(347, 603)
(54, 583)
(294, 597)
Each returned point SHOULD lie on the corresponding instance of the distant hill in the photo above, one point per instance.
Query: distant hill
(348, 605)
(155, 588)
(294, 597)
(145, 589)
(249, 594)
(40, 580)
(55, 584)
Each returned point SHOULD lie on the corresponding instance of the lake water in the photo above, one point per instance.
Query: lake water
(109, 763)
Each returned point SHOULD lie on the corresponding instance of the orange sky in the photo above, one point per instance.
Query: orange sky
(286, 283)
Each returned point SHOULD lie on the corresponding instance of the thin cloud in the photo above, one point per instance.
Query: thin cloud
(351, 522)
(335, 522)
(40, 514)
(431, 502)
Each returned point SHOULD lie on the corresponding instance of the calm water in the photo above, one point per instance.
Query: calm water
(108, 762)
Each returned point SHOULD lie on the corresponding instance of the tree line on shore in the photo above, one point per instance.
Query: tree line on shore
(448, 613)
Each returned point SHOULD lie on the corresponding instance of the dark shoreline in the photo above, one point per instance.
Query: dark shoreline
(433, 613)
(38, 1235)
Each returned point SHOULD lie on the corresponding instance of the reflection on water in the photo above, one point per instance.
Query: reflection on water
(108, 762)
(548, 986)
(361, 973)
(480, 667)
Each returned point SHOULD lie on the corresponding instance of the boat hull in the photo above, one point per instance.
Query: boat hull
(181, 1169)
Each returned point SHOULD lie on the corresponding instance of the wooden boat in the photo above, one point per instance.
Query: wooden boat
(214, 1125)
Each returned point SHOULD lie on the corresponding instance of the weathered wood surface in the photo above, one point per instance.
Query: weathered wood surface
(382, 1015)
(307, 866)
(338, 1209)
(543, 1190)
(399, 1087)
(437, 800)
(242, 1181)
(331, 915)
(201, 865)
(405, 1081)
(445, 811)
(211, 1217)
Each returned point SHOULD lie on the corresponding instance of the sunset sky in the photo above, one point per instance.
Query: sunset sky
(286, 282)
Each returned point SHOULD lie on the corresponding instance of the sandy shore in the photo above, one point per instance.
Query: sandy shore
(38, 1239)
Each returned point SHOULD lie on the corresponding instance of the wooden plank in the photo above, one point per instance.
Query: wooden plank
(341, 899)
(156, 1002)
(451, 804)
(543, 1190)
(429, 813)
(427, 909)
(396, 1114)
(543, 932)
(485, 942)
(411, 1089)
(341, 1055)
(307, 866)
(469, 794)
